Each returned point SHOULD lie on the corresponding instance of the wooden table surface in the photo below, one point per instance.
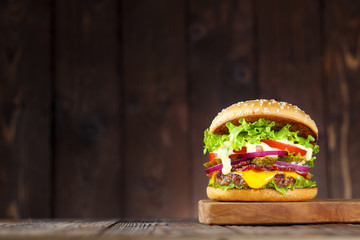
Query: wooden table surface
(168, 228)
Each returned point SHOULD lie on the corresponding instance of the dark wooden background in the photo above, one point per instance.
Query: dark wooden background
(103, 104)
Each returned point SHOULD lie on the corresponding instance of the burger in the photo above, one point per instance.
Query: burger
(261, 150)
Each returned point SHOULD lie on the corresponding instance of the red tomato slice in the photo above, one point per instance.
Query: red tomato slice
(237, 153)
(242, 150)
(283, 146)
(212, 156)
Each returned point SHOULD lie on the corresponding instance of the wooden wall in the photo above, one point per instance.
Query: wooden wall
(103, 104)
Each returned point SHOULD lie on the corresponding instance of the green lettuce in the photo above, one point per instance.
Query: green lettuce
(310, 163)
(300, 182)
(252, 133)
(230, 186)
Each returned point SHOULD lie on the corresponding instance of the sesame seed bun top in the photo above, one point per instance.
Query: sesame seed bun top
(281, 112)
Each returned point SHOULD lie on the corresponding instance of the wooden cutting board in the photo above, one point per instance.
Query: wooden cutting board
(314, 211)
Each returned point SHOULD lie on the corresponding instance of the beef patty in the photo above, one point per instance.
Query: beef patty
(225, 180)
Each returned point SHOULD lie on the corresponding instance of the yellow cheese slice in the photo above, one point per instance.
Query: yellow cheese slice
(212, 179)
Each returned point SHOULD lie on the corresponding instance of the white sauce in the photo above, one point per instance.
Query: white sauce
(223, 154)
(252, 147)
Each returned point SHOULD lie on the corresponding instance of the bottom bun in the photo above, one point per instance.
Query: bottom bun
(261, 195)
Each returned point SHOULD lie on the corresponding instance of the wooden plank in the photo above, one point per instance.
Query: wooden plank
(157, 165)
(54, 228)
(132, 228)
(221, 70)
(301, 230)
(290, 64)
(88, 105)
(167, 229)
(315, 211)
(342, 61)
(189, 228)
(25, 109)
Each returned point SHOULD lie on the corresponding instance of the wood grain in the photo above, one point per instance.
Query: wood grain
(25, 109)
(341, 68)
(119, 69)
(167, 228)
(156, 149)
(87, 118)
(290, 64)
(36, 228)
(221, 70)
(315, 211)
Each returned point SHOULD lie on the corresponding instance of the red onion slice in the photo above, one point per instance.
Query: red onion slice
(214, 168)
(263, 153)
(297, 167)
(246, 156)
